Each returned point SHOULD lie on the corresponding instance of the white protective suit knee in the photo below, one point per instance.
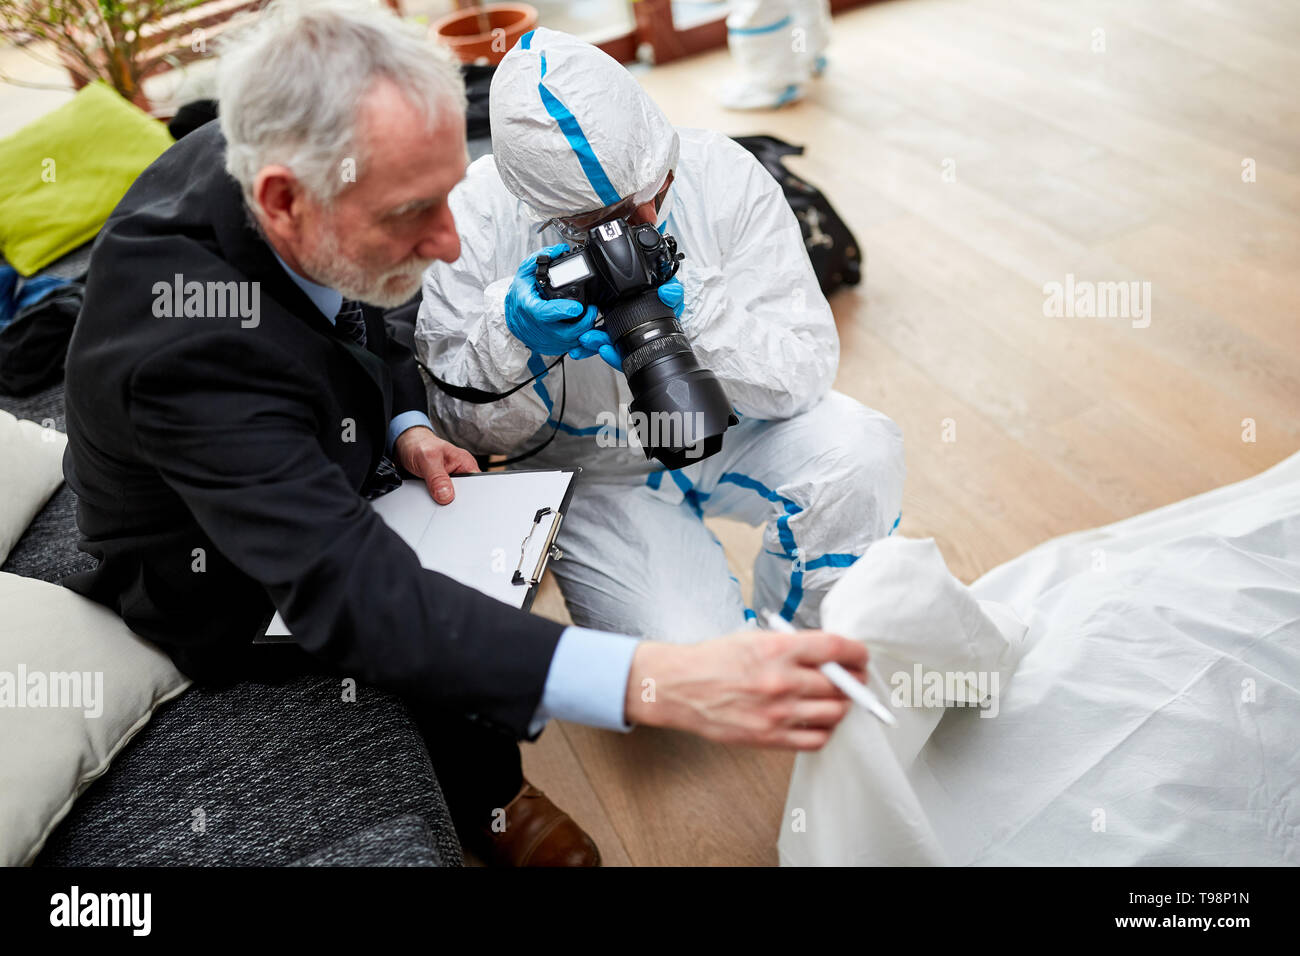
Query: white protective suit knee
(823, 485)
(776, 46)
(573, 132)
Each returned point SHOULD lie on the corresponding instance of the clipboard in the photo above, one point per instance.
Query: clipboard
(497, 535)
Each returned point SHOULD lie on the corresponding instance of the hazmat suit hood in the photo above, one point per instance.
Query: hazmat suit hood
(572, 130)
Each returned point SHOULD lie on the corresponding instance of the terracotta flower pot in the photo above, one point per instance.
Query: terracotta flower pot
(463, 31)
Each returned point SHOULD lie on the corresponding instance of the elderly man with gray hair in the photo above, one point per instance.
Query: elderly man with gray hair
(222, 460)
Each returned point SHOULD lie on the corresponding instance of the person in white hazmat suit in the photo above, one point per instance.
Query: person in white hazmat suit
(575, 138)
(777, 46)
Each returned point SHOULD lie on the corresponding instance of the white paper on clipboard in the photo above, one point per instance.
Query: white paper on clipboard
(499, 529)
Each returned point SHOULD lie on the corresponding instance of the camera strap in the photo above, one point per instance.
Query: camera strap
(477, 396)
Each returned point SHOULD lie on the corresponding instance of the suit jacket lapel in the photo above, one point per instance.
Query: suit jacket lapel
(371, 364)
(248, 251)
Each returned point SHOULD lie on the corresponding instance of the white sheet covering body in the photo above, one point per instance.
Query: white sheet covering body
(1153, 718)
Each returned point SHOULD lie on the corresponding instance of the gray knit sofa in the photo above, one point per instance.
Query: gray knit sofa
(258, 774)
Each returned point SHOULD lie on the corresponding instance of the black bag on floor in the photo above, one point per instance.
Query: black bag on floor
(478, 82)
(832, 249)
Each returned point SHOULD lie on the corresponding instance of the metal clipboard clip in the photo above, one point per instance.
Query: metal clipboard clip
(548, 552)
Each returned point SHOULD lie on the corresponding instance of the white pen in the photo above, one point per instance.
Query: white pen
(837, 675)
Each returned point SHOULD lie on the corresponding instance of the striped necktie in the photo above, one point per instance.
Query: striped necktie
(351, 322)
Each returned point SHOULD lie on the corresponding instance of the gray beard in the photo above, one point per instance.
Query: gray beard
(332, 269)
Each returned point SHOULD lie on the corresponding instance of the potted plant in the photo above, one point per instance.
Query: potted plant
(118, 41)
(484, 32)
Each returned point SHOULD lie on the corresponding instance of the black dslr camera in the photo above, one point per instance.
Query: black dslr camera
(679, 408)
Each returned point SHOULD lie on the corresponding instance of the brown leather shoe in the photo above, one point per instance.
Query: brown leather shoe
(537, 833)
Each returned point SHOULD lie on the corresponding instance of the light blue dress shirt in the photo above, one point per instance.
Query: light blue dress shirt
(587, 680)
(329, 301)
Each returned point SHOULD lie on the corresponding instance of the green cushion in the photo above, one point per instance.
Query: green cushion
(64, 174)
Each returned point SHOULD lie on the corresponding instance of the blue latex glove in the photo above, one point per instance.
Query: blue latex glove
(596, 342)
(673, 295)
(547, 326)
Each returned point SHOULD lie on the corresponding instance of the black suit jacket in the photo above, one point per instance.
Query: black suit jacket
(217, 465)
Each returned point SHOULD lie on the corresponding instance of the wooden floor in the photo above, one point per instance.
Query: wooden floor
(1114, 165)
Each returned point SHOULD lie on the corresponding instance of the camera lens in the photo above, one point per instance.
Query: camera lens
(684, 406)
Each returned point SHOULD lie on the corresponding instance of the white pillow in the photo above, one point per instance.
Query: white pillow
(50, 754)
(31, 469)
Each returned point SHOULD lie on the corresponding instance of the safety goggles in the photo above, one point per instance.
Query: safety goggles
(574, 229)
